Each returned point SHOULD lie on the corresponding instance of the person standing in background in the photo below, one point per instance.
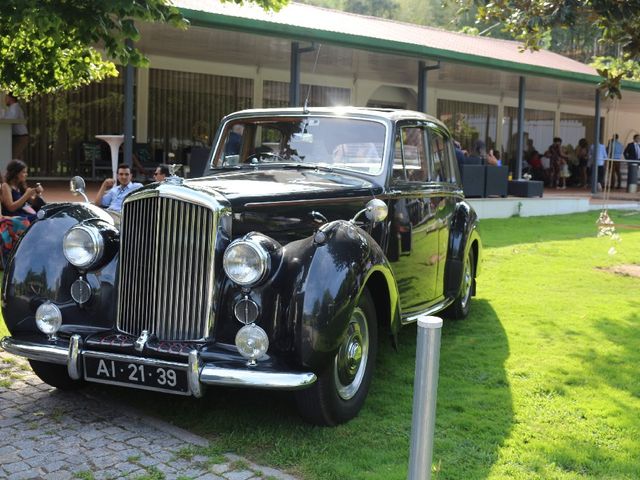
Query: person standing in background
(614, 151)
(19, 132)
(597, 155)
(582, 154)
(557, 159)
(632, 151)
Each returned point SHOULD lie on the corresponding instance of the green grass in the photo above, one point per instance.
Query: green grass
(540, 382)
(3, 327)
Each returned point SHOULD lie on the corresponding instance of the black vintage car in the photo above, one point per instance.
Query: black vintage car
(310, 235)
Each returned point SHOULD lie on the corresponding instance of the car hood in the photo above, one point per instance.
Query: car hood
(278, 184)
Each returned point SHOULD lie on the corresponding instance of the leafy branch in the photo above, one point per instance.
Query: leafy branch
(531, 22)
(52, 45)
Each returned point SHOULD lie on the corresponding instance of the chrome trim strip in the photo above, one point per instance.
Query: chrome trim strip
(74, 368)
(35, 351)
(413, 317)
(336, 200)
(431, 192)
(193, 374)
(231, 377)
(318, 201)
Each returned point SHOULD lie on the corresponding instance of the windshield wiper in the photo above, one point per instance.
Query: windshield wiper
(233, 167)
(307, 166)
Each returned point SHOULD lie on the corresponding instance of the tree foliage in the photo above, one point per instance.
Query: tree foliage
(52, 45)
(373, 8)
(533, 21)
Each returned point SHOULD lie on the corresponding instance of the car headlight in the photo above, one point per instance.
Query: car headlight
(246, 262)
(83, 245)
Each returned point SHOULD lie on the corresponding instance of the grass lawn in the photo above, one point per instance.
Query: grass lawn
(541, 382)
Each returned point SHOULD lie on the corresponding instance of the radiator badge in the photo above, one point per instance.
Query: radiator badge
(142, 340)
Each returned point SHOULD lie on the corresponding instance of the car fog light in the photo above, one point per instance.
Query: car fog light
(80, 291)
(48, 319)
(252, 343)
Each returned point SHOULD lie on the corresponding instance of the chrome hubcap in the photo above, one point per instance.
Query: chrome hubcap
(351, 359)
(466, 282)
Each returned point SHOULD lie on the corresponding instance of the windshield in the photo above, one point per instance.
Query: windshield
(348, 143)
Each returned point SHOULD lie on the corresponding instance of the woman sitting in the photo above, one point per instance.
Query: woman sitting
(18, 200)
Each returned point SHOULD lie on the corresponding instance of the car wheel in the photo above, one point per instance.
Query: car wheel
(55, 375)
(340, 391)
(459, 309)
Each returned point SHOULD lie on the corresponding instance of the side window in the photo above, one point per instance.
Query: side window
(398, 166)
(439, 157)
(414, 154)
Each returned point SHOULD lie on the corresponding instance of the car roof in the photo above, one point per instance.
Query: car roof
(390, 114)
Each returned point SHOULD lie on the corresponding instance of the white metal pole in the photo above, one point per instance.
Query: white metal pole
(425, 389)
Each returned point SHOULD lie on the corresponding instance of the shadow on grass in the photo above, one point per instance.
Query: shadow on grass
(475, 410)
(511, 231)
(474, 413)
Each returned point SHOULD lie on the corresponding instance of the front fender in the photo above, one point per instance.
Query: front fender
(333, 269)
(39, 272)
(464, 235)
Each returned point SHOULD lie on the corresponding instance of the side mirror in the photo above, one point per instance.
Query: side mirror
(375, 211)
(78, 186)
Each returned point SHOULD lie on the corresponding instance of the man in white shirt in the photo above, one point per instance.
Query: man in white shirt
(112, 200)
(597, 156)
(19, 132)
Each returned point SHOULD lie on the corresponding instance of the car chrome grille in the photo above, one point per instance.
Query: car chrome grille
(166, 264)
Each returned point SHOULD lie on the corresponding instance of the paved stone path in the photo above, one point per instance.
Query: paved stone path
(55, 435)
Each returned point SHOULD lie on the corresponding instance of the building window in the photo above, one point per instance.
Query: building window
(185, 110)
(61, 123)
(538, 128)
(276, 95)
(470, 122)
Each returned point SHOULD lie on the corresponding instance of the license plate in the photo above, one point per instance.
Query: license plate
(148, 375)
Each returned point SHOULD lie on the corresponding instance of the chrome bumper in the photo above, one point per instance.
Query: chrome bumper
(197, 373)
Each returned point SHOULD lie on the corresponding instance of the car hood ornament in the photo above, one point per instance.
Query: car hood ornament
(174, 179)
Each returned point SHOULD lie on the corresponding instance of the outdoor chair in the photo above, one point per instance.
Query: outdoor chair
(496, 181)
(473, 180)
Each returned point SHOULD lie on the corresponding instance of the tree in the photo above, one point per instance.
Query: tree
(373, 8)
(50, 45)
(533, 21)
